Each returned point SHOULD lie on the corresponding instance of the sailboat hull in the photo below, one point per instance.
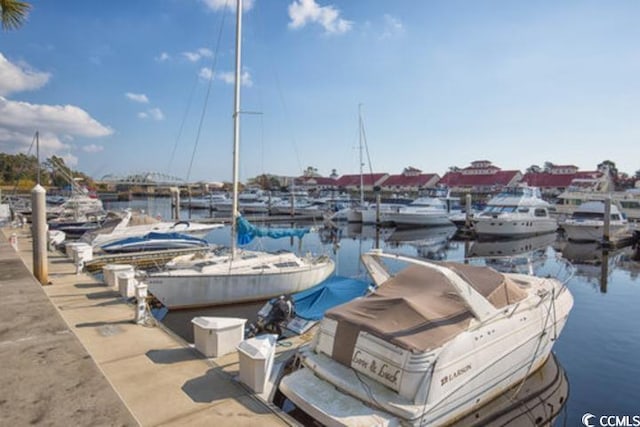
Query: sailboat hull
(177, 290)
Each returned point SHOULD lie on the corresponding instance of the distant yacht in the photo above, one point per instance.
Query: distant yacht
(586, 224)
(515, 212)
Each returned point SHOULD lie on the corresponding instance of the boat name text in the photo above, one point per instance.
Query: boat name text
(364, 362)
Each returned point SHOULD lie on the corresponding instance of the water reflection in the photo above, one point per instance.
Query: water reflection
(538, 401)
(592, 262)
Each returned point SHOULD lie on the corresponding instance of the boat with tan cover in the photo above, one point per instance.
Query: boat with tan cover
(431, 343)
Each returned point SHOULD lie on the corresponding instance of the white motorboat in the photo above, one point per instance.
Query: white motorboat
(586, 224)
(238, 275)
(422, 212)
(155, 241)
(130, 225)
(515, 212)
(433, 342)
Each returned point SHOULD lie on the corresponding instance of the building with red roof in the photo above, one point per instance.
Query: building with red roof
(410, 180)
(558, 178)
(369, 181)
(481, 177)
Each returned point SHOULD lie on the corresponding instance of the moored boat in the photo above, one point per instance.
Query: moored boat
(433, 342)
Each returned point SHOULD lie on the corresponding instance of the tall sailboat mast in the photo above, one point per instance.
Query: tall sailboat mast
(360, 147)
(236, 127)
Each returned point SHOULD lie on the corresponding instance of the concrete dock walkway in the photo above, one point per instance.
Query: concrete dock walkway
(71, 355)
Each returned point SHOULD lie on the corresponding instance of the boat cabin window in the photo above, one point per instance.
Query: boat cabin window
(523, 210)
(286, 264)
(540, 212)
(615, 217)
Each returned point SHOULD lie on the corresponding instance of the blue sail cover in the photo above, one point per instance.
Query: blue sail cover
(312, 303)
(247, 231)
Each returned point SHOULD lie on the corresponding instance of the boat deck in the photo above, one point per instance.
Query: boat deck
(71, 354)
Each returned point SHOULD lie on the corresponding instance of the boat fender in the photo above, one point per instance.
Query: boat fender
(181, 222)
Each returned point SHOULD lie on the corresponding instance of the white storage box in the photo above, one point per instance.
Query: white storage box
(82, 252)
(70, 249)
(256, 360)
(126, 283)
(109, 272)
(217, 336)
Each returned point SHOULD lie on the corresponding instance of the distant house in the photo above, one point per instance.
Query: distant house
(481, 178)
(369, 181)
(558, 178)
(410, 180)
(316, 183)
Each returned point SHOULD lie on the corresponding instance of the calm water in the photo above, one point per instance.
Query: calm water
(600, 346)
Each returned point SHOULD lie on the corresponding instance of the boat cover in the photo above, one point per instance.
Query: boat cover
(418, 309)
(312, 303)
(247, 231)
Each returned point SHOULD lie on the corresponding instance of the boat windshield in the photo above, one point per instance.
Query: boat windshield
(499, 209)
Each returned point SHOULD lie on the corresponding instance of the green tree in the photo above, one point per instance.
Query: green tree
(13, 13)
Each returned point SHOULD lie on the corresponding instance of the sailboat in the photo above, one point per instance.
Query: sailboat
(235, 275)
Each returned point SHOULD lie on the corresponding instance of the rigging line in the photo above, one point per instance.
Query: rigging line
(22, 167)
(184, 119)
(206, 99)
(366, 148)
(288, 117)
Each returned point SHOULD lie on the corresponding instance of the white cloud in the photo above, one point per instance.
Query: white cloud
(137, 97)
(229, 78)
(92, 148)
(152, 113)
(205, 73)
(226, 76)
(19, 142)
(164, 56)
(231, 4)
(58, 119)
(203, 52)
(18, 78)
(302, 12)
(393, 27)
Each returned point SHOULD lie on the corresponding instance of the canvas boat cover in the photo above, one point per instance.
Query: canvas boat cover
(418, 308)
(311, 304)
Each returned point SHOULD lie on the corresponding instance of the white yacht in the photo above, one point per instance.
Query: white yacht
(428, 345)
(586, 224)
(515, 212)
(422, 212)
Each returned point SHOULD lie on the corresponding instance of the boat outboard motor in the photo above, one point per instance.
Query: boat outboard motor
(282, 310)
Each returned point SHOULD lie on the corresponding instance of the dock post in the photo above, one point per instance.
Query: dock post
(606, 240)
(378, 225)
(467, 210)
(39, 232)
(175, 203)
(604, 271)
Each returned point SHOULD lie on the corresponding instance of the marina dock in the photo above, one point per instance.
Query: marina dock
(72, 355)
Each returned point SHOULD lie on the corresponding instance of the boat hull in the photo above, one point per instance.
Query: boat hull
(416, 219)
(513, 227)
(177, 291)
(592, 231)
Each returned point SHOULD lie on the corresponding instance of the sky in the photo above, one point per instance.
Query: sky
(147, 85)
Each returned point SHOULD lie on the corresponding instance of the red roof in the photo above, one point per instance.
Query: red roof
(354, 180)
(546, 180)
(458, 179)
(408, 180)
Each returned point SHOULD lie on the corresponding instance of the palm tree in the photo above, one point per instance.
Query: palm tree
(13, 13)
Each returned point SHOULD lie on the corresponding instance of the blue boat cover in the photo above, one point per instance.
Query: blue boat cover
(312, 303)
(247, 231)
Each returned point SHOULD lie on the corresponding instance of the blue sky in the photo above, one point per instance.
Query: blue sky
(117, 87)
